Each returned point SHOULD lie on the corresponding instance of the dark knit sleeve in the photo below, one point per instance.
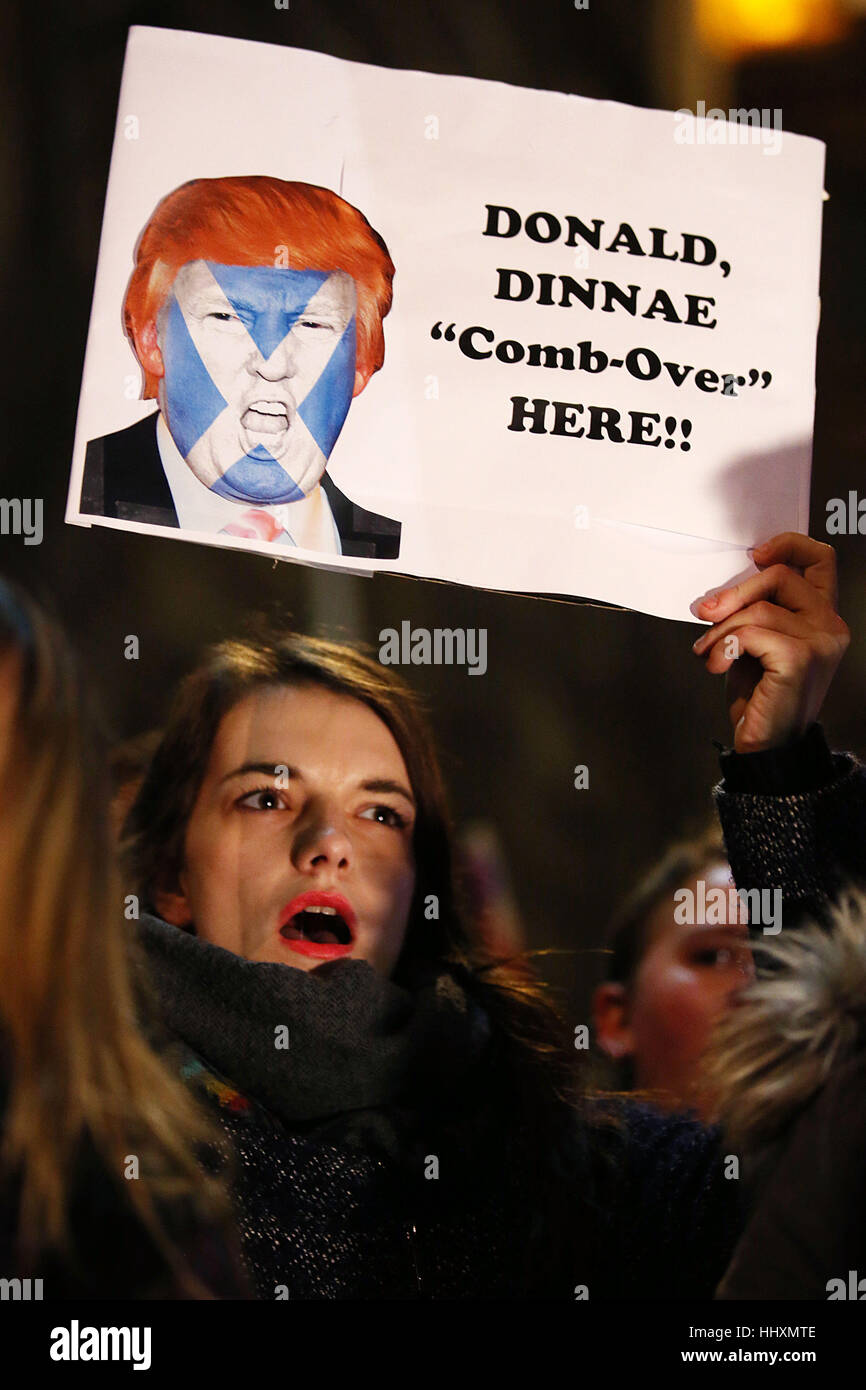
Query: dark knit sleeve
(794, 819)
(669, 1210)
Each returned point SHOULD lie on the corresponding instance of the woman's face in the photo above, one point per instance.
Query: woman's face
(299, 847)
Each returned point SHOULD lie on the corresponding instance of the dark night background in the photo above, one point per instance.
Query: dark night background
(566, 684)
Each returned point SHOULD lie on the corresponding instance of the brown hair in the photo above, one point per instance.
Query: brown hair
(629, 934)
(79, 1071)
(255, 220)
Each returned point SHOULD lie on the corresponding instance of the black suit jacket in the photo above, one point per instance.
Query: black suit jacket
(124, 478)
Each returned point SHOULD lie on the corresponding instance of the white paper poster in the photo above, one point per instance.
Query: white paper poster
(384, 320)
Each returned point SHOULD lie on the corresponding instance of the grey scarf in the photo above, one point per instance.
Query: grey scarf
(368, 1062)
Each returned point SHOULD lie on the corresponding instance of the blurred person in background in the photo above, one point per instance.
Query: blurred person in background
(491, 904)
(102, 1194)
(668, 978)
(127, 764)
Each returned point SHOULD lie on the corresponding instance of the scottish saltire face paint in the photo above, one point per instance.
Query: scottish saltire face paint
(259, 374)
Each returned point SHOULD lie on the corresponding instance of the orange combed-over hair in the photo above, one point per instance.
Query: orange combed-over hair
(259, 220)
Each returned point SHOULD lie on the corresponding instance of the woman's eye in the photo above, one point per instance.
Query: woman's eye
(262, 799)
(385, 815)
(714, 956)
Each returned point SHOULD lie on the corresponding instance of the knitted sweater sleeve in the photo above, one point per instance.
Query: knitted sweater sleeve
(794, 818)
(668, 1214)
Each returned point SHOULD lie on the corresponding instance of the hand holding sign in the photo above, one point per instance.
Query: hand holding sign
(779, 638)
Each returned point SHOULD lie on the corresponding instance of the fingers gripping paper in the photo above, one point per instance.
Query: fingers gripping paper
(392, 320)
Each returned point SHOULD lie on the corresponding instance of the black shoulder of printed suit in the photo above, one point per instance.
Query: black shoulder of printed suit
(794, 819)
(362, 533)
(124, 478)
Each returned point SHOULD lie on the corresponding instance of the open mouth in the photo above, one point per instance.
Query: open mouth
(266, 417)
(319, 924)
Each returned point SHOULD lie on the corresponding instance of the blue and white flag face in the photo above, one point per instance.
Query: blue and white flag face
(259, 375)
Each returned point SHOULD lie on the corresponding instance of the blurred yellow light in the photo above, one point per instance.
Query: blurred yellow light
(733, 27)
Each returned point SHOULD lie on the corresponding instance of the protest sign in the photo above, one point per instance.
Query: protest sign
(382, 320)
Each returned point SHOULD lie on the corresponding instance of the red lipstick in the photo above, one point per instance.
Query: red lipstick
(321, 925)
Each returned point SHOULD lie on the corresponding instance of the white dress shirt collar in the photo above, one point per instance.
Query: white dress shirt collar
(308, 523)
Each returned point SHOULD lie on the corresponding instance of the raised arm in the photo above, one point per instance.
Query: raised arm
(792, 812)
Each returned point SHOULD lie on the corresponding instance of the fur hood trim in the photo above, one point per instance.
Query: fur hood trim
(790, 1029)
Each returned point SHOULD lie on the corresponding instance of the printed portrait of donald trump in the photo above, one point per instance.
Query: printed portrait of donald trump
(255, 311)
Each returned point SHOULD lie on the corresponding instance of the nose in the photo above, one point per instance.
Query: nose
(321, 842)
(281, 363)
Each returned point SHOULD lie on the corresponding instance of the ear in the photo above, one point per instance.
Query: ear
(610, 1018)
(173, 907)
(361, 379)
(147, 350)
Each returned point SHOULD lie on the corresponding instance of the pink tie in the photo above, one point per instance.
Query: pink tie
(254, 525)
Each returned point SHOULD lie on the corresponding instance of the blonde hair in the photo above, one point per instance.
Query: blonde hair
(78, 1067)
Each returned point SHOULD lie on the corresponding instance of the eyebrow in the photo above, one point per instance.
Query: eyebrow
(213, 296)
(381, 784)
(375, 784)
(269, 770)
